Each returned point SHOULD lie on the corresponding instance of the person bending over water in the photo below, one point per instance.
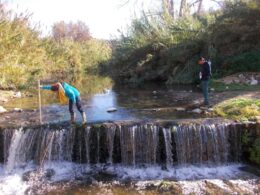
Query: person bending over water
(67, 92)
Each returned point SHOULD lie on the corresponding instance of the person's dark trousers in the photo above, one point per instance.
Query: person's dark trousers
(205, 85)
(78, 104)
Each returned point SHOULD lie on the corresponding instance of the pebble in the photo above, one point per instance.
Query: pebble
(17, 94)
(18, 109)
(111, 110)
(180, 109)
(197, 110)
(2, 109)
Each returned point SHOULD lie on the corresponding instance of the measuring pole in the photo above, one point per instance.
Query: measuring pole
(40, 103)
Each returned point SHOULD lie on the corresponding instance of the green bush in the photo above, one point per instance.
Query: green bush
(25, 57)
(229, 37)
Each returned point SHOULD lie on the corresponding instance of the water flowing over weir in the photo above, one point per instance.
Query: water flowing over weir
(131, 144)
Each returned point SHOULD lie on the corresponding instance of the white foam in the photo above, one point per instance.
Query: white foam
(12, 183)
(190, 178)
(65, 170)
(180, 173)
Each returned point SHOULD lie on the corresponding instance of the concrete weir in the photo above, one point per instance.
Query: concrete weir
(130, 143)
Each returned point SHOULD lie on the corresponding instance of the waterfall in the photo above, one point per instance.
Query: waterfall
(127, 144)
(11, 161)
(168, 146)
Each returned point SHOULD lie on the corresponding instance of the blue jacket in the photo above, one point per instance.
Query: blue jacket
(71, 92)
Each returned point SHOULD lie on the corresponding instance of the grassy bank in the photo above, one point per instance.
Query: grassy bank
(220, 86)
(239, 109)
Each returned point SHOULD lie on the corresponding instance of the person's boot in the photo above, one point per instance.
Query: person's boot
(73, 118)
(84, 118)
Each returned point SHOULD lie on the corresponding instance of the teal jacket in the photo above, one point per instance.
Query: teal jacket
(71, 92)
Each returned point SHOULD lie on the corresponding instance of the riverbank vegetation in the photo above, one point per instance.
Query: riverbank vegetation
(239, 109)
(25, 56)
(163, 47)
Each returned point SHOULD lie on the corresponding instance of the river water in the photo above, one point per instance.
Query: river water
(168, 160)
(143, 103)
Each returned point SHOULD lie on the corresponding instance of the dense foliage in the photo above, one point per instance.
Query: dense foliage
(26, 57)
(157, 48)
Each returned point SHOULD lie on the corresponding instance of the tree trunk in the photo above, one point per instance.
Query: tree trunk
(182, 8)
(199, 6)
(171, 8)
(168, 7)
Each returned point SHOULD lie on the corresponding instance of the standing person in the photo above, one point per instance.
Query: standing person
(205, 75)
(64, 92)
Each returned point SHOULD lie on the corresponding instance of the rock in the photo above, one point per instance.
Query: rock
(241, 76)
(197, 110)
(156, 109)
(49, 173)
(228, 82)
(210, 109)
(257, 119)
(196, 102)
(2, 109)
(17, 94)
(236, 81)
(180, 109)
(111, 110)
(3, 99)
(29, 95)
(253, 81)
(18, 109)
(212, 89)
(27, 175)
(154, 92)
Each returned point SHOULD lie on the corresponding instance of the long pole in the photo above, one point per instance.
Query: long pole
(40, 103)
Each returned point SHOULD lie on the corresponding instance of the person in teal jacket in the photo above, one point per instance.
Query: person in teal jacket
(72, 94)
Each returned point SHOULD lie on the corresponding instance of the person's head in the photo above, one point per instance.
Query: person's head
(201, 60)
(55, 87)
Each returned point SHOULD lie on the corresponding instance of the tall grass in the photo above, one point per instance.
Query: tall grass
(26, 57)
(159, 49)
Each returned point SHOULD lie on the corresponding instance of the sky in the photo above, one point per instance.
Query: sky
(103, 17)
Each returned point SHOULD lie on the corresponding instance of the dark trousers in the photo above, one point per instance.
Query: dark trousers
(78, 104)
(205, 86)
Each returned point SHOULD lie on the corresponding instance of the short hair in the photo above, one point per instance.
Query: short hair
(202, 58)
(55, 87)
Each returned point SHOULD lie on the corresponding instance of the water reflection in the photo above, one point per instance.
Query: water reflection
(145, 102)
(99, 104)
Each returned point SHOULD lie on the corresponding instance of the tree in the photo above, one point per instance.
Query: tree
(183, 6)
(168, 7)
(75, 31)
(199, 6)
